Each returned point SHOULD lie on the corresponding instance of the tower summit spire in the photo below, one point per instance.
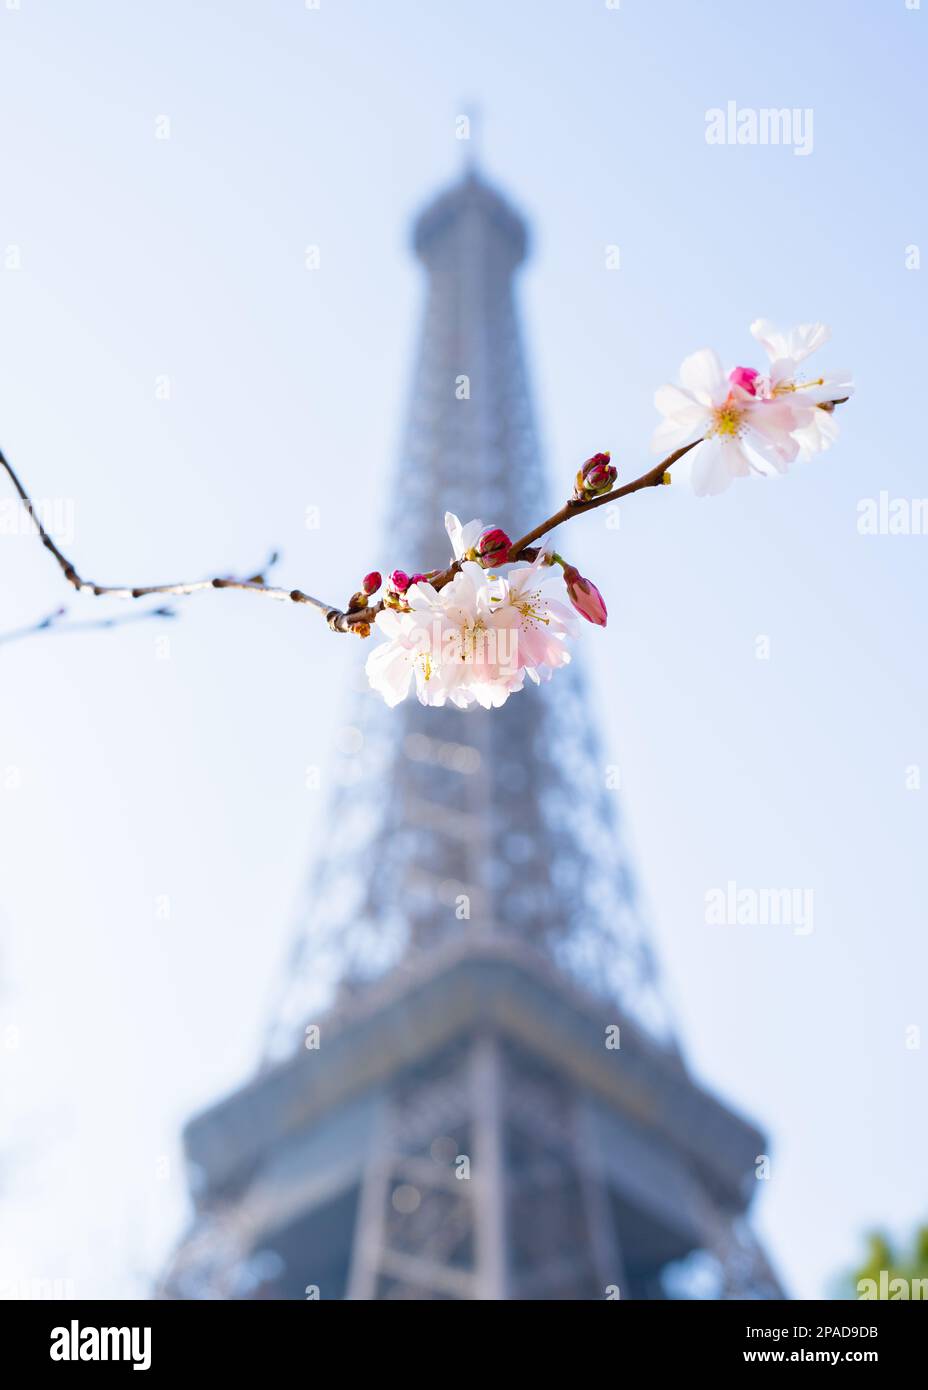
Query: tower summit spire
(473, 1088)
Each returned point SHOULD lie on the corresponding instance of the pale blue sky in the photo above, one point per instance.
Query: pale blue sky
(136, 777)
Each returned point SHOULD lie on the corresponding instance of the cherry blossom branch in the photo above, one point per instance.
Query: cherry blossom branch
(356, 618)
(520, 549)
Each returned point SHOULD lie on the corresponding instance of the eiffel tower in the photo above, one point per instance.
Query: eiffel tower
(472, 1087)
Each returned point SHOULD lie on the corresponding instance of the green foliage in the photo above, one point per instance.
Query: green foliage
(887, 1262)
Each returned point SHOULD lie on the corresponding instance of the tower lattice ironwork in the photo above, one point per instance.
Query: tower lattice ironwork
(472, 1086)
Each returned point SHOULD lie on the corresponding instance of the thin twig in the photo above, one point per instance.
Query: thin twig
(652, 478)
(337, 620)
(254, 583)
(53, 621)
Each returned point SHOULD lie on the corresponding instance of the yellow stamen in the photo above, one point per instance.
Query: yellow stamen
(727, 421)
(786, 386)
(529, 607)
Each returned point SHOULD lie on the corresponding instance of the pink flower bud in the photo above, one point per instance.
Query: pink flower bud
(595, 476)
(585, 596)
(419, 579)
(746, 378)
(492, 548)
(371, 583)
(399, 581)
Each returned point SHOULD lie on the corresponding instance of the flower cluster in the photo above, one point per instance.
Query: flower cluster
(751, 421)
(471, 635)
(474, 640)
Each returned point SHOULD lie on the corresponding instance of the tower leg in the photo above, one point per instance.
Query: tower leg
(492, 1280)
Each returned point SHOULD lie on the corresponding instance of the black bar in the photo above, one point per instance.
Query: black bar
(241, 1338)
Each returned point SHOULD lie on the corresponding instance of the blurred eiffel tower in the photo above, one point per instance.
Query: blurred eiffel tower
(472, 1087)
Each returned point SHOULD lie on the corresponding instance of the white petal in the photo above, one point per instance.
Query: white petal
(703, 374)
(389, 671)
(474, 574)
(673, 400)
(735, 458)
(672, 434)
(715, 463)
(835, 386)
(771, 340)
(806, 339)
(818, 435)
(469, 535)
(766, 460)
(782, 369)
(773, 422)
(422, 596)
(453, 527)
(794, 346)
(389, 622)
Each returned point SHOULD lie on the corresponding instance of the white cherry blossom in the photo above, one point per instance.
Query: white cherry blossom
(741, 433)
(786, 351)
(541, 623)
(474, 640)
(462, 538)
